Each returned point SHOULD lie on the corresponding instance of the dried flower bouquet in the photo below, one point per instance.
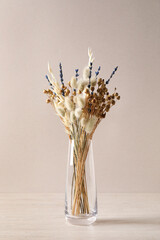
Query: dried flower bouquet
(81, 105)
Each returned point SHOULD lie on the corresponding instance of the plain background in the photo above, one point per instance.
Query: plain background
(33, 144)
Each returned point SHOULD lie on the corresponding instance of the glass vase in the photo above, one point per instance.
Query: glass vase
(80, 193)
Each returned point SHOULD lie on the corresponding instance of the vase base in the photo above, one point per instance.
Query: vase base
(81, 219)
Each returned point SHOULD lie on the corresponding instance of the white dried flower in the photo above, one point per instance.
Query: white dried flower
(69, 104)
(72, 117)
(82, 84)
(89, 52)
(50, 71)
(86, 73)
(75, 99)
(73, 83)
(78, 112)
(80, 101)
(83, 122)
(90, 55)
(90, 124)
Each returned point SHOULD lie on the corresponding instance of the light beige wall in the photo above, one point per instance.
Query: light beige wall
(33, 145)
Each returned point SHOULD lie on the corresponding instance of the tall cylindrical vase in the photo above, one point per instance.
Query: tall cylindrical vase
(80, 194)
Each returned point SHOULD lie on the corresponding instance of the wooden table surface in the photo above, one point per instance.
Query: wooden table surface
(41, 217)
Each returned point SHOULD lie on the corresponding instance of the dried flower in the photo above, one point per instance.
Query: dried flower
(72, 117)
(81, 105)
(80, 101)
(86, 73)
(83, 122)
(73, 83)
(78, 112)
(91, 124)
(69, 104)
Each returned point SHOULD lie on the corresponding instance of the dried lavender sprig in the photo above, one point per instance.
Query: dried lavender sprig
(61, 74)
(90, 74)
(61, 77)
(112, 75)
(50, 84)
(48, 80)
(98, 71)
(77, 74)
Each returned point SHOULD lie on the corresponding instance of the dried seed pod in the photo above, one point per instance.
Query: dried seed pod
(86, 91)
(103, 115)
(68, 91)
(92, 89)
(74, 93)
(48, 101)
(107, 108)
(100, 80)
(113, 102)
(98, 90)
(118, 97)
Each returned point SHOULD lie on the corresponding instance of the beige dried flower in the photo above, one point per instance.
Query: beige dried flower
(72, 117)
(78, 112)
(69, 104)
(73, 83)
(83, 122)
(80, 101)
(93, 82)
(91, 124)
(86, 73)
(82, 84)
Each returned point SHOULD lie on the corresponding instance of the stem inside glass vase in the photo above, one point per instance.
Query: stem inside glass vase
(80, 186)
